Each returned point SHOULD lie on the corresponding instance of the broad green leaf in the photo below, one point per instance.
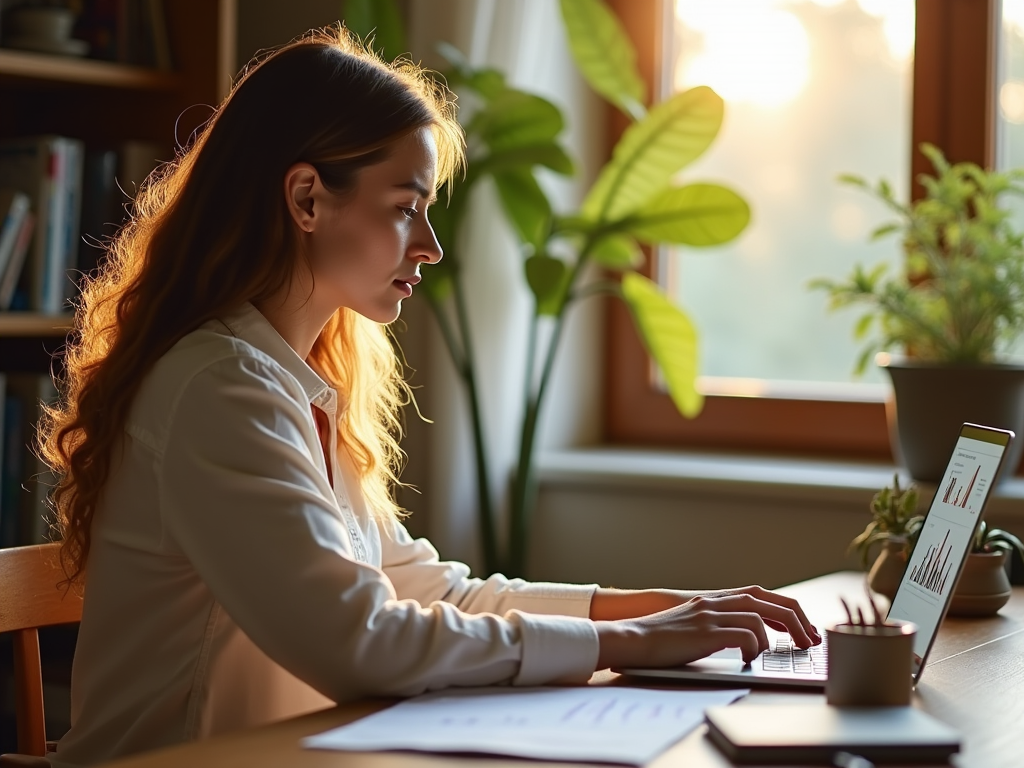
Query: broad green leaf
(652, 151)
(550, 155)
(697, 215)
(517, 119)
(525, 204)
(546, 277)
(617, 251)
(670, 338)
(379, 20)
(604, 54)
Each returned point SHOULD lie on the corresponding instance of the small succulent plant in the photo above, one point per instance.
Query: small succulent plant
(893, 518)
(995, 539)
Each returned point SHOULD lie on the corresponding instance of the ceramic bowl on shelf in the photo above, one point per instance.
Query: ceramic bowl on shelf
(43, 29)
(69, 47)
(40, 21)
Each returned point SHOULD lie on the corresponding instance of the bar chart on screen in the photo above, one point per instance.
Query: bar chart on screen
(932, 572)
(932, 569)
(959, 494)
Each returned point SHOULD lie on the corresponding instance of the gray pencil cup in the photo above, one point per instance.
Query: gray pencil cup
(870, 665)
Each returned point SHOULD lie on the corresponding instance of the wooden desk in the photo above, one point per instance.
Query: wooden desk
(974, 680)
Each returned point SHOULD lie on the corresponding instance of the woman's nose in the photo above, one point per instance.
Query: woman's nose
(429, 249)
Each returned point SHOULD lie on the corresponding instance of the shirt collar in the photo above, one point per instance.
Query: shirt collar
(249, 325)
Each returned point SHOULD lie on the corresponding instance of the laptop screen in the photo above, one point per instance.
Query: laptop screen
(945, 537)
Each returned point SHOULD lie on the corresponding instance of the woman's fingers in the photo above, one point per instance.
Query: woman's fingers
(747, 641)
(775, 614)
(791, 603)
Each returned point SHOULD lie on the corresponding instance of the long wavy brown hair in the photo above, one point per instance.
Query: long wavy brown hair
(211, 231)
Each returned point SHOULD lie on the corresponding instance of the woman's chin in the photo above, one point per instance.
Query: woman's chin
(382, 315)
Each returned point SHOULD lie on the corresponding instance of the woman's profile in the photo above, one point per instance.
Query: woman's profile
(226, 442)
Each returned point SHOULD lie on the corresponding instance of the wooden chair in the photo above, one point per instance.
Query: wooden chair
(30, 599)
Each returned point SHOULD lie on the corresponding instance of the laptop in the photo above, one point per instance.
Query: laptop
(923, 594)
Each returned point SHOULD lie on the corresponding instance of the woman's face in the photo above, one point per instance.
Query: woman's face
(366, 247)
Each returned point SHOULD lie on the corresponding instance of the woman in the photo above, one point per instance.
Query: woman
(226, 443)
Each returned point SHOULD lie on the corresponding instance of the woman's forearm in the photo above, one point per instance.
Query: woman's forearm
(613, 604)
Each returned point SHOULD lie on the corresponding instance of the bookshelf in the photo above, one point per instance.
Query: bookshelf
(103, 104)
(106, 103)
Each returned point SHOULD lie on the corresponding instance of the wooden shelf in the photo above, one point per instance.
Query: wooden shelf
(40, 67)
(22, 324)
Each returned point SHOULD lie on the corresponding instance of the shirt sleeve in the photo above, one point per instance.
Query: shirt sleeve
(418, 573)
(244, 498)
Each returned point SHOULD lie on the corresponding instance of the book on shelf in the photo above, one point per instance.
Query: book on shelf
(74, 154)
(26, 480)
(49, 170)
(12, 270)
(102, 209)
(14, 207)
(156, 25)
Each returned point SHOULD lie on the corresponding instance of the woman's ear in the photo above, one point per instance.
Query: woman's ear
(300, 181)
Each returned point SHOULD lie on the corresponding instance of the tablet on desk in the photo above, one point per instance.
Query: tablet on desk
(815, 733)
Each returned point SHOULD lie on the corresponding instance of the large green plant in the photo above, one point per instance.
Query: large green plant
(636, 199)
(959, 295)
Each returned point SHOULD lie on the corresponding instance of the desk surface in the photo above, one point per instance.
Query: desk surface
(974, 680)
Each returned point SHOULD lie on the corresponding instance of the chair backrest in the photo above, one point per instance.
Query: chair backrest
(30, 598)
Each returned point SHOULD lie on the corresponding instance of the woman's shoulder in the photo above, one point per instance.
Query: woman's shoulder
(206, 363)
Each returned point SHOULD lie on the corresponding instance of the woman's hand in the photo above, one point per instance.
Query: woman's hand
(689, 626)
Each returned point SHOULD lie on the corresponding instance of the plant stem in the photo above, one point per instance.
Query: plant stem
(485, 509)
(524, 488)
(461, 353)
(448, 334)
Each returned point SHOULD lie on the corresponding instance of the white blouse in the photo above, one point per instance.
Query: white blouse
(231, 584)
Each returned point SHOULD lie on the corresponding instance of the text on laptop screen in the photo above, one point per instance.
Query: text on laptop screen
(944, 540)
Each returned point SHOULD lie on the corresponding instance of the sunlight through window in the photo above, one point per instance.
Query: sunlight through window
(813, 89)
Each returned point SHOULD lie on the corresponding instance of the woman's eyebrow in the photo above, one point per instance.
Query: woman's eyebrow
(419, 189)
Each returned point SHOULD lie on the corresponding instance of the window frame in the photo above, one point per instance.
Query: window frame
(953, 108)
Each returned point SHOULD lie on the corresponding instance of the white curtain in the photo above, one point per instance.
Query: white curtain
(526, 40)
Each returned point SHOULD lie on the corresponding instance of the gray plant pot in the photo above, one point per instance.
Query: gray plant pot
(931, 401)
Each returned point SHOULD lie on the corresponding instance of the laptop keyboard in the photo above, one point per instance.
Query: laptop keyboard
(786, 657)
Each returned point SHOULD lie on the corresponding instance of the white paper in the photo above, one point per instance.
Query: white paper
(597, 724)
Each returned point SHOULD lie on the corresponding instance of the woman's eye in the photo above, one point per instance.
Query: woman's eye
(410, 213)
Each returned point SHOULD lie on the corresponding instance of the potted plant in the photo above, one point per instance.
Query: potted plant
(568, 256)
(894, 524)
(984, 587)
(952, 309)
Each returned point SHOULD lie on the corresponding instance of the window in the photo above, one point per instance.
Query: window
(1010, 94)
(951, 82)
(814, 89)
